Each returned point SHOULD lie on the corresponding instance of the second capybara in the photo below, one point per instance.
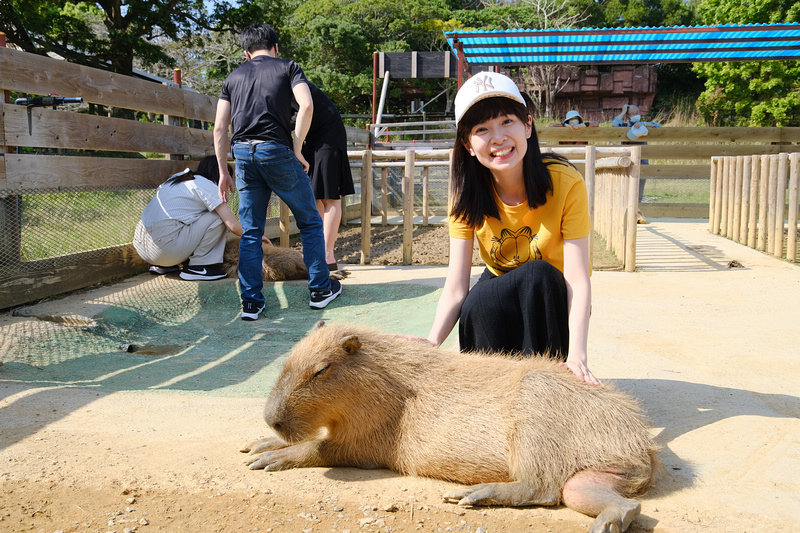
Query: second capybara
(518, 431)
(279, 264)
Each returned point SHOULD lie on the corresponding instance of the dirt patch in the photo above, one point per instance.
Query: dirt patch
(430, 246)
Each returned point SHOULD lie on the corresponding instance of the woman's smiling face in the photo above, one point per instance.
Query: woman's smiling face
(500, 143)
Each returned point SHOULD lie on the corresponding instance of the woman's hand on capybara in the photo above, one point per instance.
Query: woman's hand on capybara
(581, 371)
(412, 338)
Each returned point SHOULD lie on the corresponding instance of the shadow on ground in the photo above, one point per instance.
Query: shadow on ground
(185, 337)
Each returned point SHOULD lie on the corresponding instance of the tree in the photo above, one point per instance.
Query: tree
(635, 13)
(545, 81)
(750, 93)
(109, 33)
(334, 41)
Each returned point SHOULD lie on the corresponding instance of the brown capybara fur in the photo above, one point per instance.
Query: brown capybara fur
(351, 396)
(279, 264)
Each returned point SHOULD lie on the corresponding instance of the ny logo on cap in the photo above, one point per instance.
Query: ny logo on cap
(484, 84)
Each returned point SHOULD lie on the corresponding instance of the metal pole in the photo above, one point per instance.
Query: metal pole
(383, 97)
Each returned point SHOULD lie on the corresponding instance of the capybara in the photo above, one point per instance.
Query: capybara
(520, 431)
(279, 264)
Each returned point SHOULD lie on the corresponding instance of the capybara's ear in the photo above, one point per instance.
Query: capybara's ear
(318, 325)
(351, 344)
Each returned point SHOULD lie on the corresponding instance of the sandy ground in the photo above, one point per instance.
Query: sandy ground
(96, 439)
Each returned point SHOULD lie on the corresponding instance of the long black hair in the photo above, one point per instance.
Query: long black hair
(207, 168)
(472, 185)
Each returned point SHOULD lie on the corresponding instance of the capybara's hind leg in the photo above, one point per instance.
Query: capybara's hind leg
(595, 494)
(512, 494)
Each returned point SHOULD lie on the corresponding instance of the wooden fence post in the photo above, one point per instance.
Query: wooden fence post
(723, 219)
(744, 195)
(632, 208)
(425, 200)
(731, 199)
(366, 205)
(780, 203)
(10, 205)
(589, 178)
(171, 120)
(384, 196)
(772, 191)
(737, 202)
(794, 183)
(712, 196)
(763, 204)
(719, 195)
(753, 202)
(285, 224)
(408, 206)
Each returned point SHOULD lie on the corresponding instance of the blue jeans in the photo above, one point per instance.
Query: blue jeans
(261, 169)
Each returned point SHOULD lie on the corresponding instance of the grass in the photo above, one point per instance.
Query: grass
(667, 191)
(55, 224)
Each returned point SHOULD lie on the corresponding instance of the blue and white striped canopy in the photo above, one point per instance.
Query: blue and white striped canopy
(591, 46)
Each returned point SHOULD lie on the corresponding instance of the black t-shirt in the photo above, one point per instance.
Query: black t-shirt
(260, 93)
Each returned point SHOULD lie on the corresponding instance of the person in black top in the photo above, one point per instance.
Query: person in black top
(325, 150)
(256, 100)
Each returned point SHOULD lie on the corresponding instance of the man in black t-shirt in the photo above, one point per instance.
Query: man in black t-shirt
(256, 101)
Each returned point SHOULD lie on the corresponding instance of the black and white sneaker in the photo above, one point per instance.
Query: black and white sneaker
(250, 310)
(159, 270)
(202, 273)
(319, 299)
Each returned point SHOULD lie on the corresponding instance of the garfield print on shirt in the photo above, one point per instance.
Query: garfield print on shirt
(512, 249)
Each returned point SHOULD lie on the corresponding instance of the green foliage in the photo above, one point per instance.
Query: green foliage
(112, 32)
(750, 93)
(334, 41)
(633, 13)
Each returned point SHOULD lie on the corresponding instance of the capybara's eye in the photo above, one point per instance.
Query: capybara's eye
(320, 372)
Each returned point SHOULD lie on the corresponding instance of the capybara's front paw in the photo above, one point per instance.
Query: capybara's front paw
(273, 460)
(339, 274)
(262, 445)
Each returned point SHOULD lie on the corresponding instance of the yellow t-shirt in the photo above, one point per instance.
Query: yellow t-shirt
(524, 234)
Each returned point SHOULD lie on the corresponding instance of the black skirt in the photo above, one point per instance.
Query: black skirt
(329, 170)
(523, 311)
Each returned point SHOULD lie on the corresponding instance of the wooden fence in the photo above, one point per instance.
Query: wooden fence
(754, 201)
(678, 158)
(672, 153)
(612, 181)
(66, 151)
(50, 151)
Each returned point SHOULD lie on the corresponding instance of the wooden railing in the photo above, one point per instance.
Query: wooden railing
(754, 201)
(612, 181)
(672, 153)
(67, 151)
(413, 135)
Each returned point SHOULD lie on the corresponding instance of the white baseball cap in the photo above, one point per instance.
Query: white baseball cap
(485, 85)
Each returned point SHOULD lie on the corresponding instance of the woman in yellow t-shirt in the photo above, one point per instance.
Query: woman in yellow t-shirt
(530, 215)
